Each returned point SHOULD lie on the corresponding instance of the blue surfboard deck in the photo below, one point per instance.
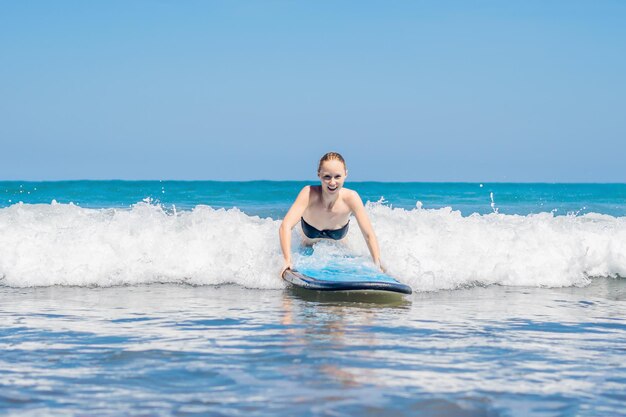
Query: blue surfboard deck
(339, 279)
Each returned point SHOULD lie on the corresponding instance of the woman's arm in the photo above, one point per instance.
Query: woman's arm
(356, 205)
(291, 219)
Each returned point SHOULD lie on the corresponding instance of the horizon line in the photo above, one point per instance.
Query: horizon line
(306, 180)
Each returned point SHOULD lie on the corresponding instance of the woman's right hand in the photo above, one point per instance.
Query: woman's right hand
(286, 266)
(291, 219)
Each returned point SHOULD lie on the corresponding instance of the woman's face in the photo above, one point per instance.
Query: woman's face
(333, 174)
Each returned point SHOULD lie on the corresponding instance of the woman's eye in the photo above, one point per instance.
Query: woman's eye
(326, 177)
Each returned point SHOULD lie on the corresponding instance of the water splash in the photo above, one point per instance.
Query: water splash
(64, 244)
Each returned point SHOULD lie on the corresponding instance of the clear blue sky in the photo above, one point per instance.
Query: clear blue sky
(235, 90)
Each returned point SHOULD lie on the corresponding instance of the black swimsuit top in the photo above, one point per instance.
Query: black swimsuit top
(312, 233)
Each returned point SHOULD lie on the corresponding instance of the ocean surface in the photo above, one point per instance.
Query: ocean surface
(163, 298)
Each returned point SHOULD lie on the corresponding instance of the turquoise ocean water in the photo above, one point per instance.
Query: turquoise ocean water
(272, 198)
(162, 298)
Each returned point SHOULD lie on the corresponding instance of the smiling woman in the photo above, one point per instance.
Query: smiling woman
(324, 211)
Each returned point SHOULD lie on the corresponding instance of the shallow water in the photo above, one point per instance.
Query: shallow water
(97, 316)
(227, 350)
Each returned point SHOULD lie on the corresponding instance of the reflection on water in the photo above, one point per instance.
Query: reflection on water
(182, 350)
(329, 336)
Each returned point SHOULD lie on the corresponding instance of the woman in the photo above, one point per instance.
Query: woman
(324, 211)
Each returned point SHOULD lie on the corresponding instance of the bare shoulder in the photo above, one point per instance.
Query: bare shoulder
(309, 193)
(304, 193)
(314, 190)
(351, 197)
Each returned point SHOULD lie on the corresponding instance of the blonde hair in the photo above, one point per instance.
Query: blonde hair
(331, 156)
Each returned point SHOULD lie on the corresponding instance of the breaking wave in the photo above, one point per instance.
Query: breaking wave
(64, 244)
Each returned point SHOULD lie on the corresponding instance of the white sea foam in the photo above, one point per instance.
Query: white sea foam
(60, 244)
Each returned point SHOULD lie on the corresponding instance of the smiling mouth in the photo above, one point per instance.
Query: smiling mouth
(332, 188)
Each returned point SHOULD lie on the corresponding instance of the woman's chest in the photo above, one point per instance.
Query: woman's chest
(328, 218)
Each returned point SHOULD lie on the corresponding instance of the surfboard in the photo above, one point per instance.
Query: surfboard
(333, 279)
